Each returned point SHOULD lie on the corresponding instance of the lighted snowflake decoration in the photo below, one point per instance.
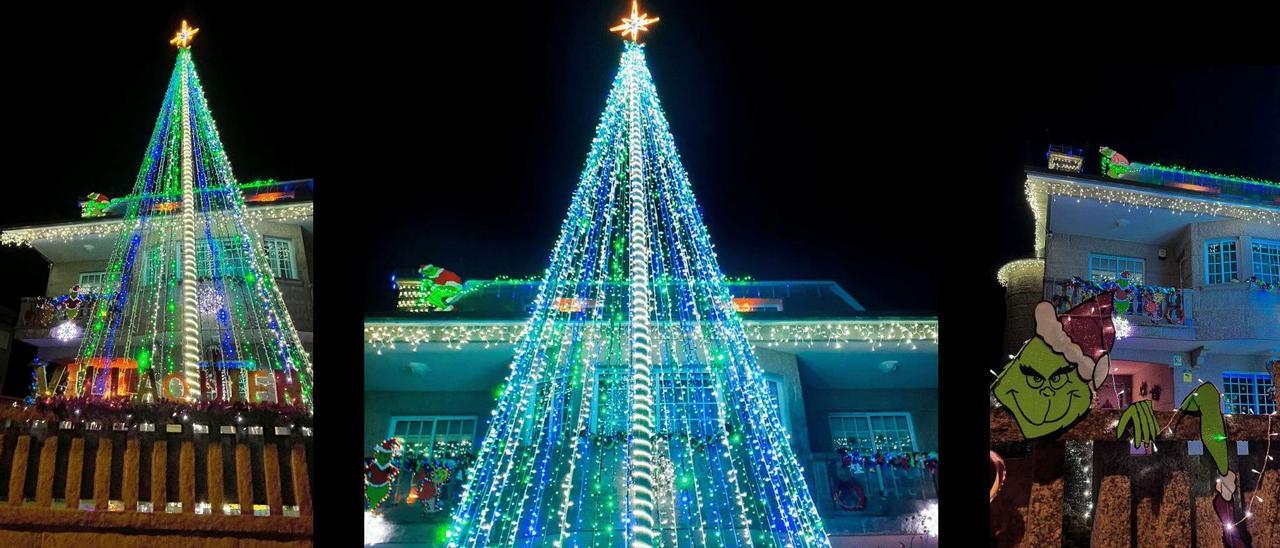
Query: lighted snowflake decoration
(208, 300)
(1123, 327)
(66, 331)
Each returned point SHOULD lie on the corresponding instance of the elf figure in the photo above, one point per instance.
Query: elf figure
(380, 473)
(443, 290)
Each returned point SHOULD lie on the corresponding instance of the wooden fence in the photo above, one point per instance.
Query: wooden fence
(241, 482)
(1121, 499)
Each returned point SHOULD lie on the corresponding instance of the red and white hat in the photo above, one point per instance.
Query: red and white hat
(389, 445)
(1084, 335)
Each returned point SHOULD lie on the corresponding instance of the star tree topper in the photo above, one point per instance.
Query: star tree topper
(636, 23)
(184, 36)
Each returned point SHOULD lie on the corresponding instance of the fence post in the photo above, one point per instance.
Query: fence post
(1265, 524)
(102, 474)
(1207, 537)
(159, 476)
(301, 481)
(215, 475)
(1044, 512)
(187, 477)
(244, 479)
(18, 472)
(129, 483)
(75, 468)
(1112, 518)
(271, 476)
(44, 483)
(1175, 512)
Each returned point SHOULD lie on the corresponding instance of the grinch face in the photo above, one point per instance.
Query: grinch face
(382, 458)
(1042, 390)
(431, 271)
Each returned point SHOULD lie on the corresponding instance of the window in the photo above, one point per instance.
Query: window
(1247, 393)
(611, 412)
(92, 282)
(1109, 267)
(773, 384)
(232, 260)
(440, 436)
(1266, 261)
(548, 414)
(280, 257)
(685, 403)
(156, 267)
(871, 432)
(1221, 263)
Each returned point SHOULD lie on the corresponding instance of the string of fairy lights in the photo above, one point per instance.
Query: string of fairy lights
(283, 213)
(189, 309)
(884, 334)
(644, 420)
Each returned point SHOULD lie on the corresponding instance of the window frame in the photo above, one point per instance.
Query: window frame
(92, 288)
(1142, 276)
(436, 420)
(1262, 404)
(911, 425)
(783, 416)
(275, 262)
(1225, 278)
(1274, 261)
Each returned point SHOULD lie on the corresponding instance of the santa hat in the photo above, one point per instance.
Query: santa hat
(389, 445)
(1084, 335)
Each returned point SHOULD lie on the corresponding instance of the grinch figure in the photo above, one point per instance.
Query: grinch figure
(1051, 383)
(432, 477)
(94, 205)
(380, 474)
(440, 288)
(1114, 164)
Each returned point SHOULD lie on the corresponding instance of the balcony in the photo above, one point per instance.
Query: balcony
(33, 323)
(898, 506)
(898, 501)
(1171, 316)
(1218, 312)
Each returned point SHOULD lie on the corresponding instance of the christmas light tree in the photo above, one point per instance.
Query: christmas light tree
(635, 410)
(190, 310)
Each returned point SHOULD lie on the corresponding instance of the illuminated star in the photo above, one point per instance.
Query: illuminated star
(636, 23)
(183, 38)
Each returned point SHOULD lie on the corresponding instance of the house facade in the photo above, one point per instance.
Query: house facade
(841, 377)
(77, 253)
(1195, 258)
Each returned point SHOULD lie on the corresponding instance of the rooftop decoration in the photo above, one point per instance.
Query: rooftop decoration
(1116, 166)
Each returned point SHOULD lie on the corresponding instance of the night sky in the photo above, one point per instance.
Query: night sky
(455, 137)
